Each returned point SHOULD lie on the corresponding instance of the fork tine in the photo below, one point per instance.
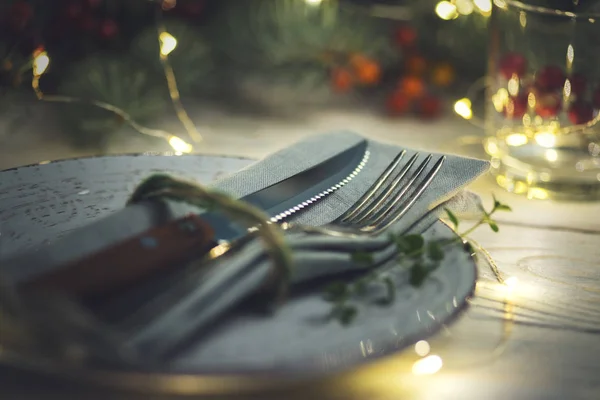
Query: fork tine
(391, 217)
(373, 189)
(382, 197)
(372, 208)
(380, 213)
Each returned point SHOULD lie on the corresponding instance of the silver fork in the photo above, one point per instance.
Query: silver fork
(385, 202)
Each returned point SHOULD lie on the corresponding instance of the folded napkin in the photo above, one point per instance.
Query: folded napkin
(193, 305)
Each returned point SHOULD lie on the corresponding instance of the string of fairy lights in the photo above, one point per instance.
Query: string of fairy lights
(168, 43)
(446, 10)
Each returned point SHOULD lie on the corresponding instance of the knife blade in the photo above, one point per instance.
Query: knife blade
(116, 266)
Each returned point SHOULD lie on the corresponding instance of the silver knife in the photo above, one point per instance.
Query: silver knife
(121, 249)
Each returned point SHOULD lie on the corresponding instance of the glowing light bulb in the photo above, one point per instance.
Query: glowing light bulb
(446, 10)
(465, 7)
(508, 287)
(531, 100)
(167, 43)
(537, 193)
(179, 145)
(428, 365)
(523, 19)
(511, 282)
(314, 2)
(546, 139)
(484, 6)
(570, 54)
(567, 89)
(500, 99)
(516, 139)
(422, 348)
(551, 155)
(491, 147)
(500, 4)
(40, 63)
(463, 108)
(513, 85)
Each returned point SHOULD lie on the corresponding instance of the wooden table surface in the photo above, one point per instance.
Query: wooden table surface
(537, 339)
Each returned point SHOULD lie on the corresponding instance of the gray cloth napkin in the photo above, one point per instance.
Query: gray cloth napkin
(195, 304)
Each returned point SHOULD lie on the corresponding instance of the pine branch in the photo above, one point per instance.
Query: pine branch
(280, 33)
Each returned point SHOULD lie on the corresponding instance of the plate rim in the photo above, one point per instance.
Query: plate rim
(124, 155)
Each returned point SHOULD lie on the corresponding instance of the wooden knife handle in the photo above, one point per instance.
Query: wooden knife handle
(160, 248)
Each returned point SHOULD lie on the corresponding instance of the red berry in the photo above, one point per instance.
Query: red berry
(108, 29)
(547, 105)
(366, 71)
(580, 113)
(513, 64)
(398, 103)
(412, 86)
(341, 80)
(429, 107)
(578, 84)
(516, 106)
(596, 97)
(551, 77)
(405, 36)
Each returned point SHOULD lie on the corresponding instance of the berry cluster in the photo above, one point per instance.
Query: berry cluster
(414, 91)
(548, 92)
(413, 88)
(410, 95)
(357, 69)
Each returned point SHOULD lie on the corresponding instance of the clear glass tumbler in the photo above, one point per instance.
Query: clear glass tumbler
(543, 101)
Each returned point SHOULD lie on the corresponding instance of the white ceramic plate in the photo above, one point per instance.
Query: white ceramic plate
(38, 203)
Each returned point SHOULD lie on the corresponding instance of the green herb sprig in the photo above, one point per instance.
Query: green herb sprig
(420, 256)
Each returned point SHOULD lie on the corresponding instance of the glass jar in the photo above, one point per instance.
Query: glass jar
(543, 101)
